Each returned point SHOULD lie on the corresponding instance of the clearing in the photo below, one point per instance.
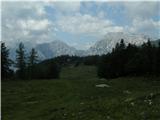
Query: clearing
(75, 97)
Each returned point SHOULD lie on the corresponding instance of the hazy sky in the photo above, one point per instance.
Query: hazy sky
(79, 24)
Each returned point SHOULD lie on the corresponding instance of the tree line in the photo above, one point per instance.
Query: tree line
(124, 60)
(130, 60)
(27, 67)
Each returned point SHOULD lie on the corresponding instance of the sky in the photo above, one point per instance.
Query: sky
(79, 24)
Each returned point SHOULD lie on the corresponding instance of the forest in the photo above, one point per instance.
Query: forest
(124, 60)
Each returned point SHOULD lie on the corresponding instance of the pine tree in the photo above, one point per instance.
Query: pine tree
(122, 45)
(158, 59)
(5, 62)
(20, 61)
(33, 59)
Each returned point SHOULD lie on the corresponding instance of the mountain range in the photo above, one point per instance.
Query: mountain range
(103, 46)
(55, 48)
(109, 41)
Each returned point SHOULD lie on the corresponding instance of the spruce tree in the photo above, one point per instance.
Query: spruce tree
(20, 61)
(158, 59)
(122, 45)
(5, 62)
(33, 57)
(32, 61)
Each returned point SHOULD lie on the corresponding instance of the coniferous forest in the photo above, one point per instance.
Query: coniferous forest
(130, 60)
(124, 60)
(26, 67)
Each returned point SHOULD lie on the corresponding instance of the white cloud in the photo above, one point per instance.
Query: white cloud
(66, 6)
(87, 24)
(26, 21)
(27, 30)
(147, 26)
(40, 9)
(141, 9)
(101, 14)
(23, 9)
(32, 24)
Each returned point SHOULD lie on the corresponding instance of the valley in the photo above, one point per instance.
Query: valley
(75, 97)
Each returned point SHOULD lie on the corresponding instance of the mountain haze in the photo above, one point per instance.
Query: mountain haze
(55, 48)
(58, 48)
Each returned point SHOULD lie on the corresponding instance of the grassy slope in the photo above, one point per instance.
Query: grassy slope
(75, 97)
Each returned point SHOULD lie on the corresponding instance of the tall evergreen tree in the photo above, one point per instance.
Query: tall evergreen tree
(122, 44)
(148, 53)
(5, 62)
(20, 61)
(33, 57)
(32, 61)
(158, 59)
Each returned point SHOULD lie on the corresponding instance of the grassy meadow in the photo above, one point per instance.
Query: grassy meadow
(75, 97)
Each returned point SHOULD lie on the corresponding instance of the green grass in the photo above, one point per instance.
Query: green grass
(75, 97)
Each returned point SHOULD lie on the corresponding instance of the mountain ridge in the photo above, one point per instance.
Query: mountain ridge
(103, 46)
(109, 41)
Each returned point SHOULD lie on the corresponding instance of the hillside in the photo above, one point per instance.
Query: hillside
(78, 95)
